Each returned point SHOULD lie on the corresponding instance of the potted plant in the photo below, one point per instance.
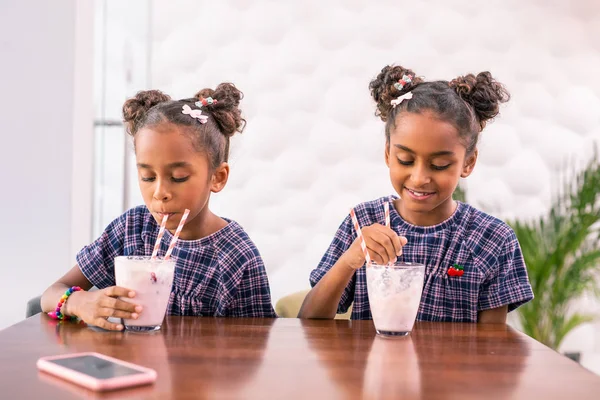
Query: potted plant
(562, 252)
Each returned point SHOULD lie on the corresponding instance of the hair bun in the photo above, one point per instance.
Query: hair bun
(135, 108)
(383, 89)
(483, 93)
(225, 110)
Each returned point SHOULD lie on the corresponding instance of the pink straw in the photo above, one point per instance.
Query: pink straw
(386, 207)
(161, 232)
(177, 232)
(363, 245)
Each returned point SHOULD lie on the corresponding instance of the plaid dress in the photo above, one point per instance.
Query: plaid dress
(487, 248)
(219, 275)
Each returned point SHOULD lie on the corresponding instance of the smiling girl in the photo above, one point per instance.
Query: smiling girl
(474, 267)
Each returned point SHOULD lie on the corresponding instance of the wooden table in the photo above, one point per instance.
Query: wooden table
(303, 359)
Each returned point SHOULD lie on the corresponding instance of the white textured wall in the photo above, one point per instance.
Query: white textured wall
(313, 148)
(45, 131)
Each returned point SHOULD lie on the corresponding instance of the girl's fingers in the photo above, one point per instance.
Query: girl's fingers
(396, 241)
(104, 324)
(117, 304)
(378, 252)
(386, 242)
(111, 312)
(117, 291)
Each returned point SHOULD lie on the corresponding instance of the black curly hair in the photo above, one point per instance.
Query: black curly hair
(467, 102)
(153, 107)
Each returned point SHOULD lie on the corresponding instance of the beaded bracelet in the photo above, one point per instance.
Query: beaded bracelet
(56, 314)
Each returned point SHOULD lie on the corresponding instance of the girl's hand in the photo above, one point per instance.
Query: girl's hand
(383, 245)
(96, 306)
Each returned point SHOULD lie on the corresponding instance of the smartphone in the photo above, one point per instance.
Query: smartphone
(96, 371)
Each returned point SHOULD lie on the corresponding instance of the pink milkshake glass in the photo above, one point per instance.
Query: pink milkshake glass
(151, 279)
(394, 296)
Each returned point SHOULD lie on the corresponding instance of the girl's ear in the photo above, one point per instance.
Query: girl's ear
(219, 178)
(469, 164)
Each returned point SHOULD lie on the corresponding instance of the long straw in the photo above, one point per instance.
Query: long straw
(176, 235)
(386, 208)
(363, 244)
(161, 232)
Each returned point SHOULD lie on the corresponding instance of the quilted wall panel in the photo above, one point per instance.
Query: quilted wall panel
(313, 148)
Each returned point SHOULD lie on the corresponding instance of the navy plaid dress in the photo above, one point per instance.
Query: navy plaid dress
(219, 275)
(487, 248)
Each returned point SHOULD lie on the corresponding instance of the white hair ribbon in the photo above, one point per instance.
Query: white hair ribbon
(194, 114)
(400, 99)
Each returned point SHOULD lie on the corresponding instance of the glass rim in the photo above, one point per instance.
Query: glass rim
(144, 258)
(397, 265)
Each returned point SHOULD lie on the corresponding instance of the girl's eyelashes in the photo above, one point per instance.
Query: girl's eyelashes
(173, 179)
(434, 167)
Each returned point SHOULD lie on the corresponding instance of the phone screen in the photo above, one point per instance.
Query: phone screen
(96, 367)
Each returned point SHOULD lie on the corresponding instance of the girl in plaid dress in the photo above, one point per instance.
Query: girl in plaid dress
(182, 148)
(431, 129)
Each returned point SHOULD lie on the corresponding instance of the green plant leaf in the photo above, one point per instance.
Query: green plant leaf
(567, 326)
(562, 252)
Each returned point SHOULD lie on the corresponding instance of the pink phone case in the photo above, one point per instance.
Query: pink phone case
(146, 376)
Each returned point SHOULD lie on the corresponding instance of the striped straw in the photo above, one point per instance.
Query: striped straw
(176, 235)
(386, 207)
(161, 232)
(363, 245)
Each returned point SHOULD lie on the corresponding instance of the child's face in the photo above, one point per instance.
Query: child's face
(426, 159)
(174, 176)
